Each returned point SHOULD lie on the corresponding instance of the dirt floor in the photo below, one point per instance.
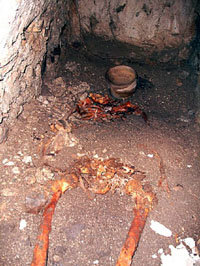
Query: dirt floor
(91, 230)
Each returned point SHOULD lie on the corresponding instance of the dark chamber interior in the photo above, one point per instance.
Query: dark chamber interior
(92, 231)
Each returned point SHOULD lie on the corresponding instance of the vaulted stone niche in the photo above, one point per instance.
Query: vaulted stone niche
(34, 33)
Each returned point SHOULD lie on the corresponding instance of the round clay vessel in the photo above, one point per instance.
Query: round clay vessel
(122, 80)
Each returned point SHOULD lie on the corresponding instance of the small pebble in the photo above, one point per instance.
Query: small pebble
(189, 166)
(178, 187)
(22, 224)
(10, 163)
(80, 154)
(27, 159)
(46, 102)
(7, 163)
(96, 262)
(150, 155)
(160, 251)
(56, 258)
(104, 150)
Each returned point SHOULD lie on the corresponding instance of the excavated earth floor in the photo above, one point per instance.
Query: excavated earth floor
(92, 231)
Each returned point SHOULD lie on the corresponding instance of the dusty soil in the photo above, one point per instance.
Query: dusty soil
(92, 232)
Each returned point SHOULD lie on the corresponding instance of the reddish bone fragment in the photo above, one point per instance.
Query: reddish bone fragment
(133, 237)
(41, 247)
(96, 107)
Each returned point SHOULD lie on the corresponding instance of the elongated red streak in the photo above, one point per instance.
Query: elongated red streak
(133, 237)
(41, 247)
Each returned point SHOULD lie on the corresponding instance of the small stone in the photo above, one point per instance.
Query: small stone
(15, 170)
(104, 150)
(27, 159)
(150, 155)
(160, 251)
(22, 224)
(35, 202)
(80, 154)
(178, 187)
(56, 258)
(46, 102)
(189, 166)
(96, 262)
(5, 161)
(8, 163)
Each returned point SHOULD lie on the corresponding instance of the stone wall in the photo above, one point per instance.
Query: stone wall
(158, 30)
(29, 29)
